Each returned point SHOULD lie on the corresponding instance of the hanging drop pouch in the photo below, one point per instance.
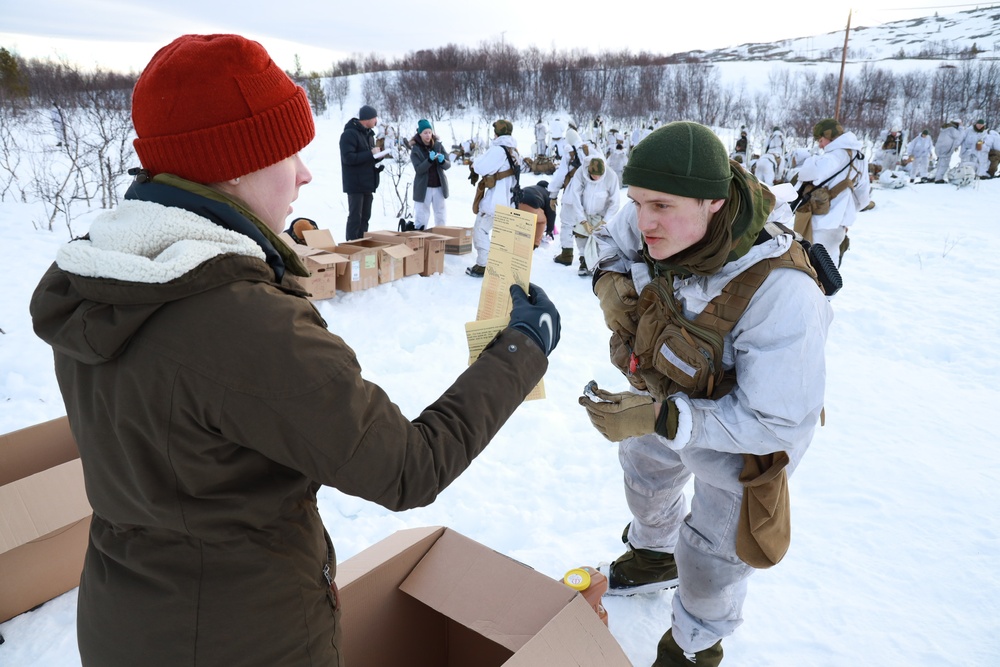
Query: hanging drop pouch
(765, 527)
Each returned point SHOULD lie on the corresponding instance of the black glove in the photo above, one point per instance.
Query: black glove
(533, 314)
(473, 176)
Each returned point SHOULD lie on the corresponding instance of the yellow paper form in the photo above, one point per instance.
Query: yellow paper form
(511, 246)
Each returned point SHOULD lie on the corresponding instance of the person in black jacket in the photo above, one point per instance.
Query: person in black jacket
(360, 169)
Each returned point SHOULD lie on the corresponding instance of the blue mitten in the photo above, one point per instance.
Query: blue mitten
(440, 157)
(433, 155)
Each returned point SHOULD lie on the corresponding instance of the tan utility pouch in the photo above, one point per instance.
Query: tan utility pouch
(804, 223)
(764, 530)
(819, 201)
(480, 191)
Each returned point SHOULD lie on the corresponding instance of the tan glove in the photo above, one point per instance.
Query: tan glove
(618, 299)
(622, 415)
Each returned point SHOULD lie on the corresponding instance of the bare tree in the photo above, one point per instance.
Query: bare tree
(338, 88)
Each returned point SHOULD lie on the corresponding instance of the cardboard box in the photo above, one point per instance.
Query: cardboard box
(459, 239)
(44, 516)
(433, 253)
(431, 597)
(358, 268)
(391, 257)
(323, 265)
(413, 264)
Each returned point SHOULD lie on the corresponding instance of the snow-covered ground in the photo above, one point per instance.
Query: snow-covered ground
(895, 538)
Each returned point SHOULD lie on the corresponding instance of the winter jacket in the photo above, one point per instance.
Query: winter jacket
(776, 350)
(831, 163)
(775, 143)
(764, 169)
(948, 140)
(210, 401)
(920, 147)
(359, 168)
(972, 137)
(590, 199)
(422, 166)
(494, 161)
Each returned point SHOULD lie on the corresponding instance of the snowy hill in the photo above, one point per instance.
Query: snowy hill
(930, 37)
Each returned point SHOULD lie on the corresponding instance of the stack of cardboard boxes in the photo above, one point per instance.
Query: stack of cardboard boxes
(379, 258)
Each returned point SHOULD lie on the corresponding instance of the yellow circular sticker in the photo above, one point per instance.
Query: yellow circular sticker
(577, 579)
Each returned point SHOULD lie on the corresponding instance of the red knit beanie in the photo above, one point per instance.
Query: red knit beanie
(209, 108)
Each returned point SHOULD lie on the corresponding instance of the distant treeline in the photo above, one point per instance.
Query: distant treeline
(497, 80)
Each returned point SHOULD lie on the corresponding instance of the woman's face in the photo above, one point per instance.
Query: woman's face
(269, 192)
(670, 223)
(427, 136)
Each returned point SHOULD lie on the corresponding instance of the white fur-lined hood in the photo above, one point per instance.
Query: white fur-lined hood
(146, 242)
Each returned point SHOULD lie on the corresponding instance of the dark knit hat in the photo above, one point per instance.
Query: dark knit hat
(827, 128)
(367, 113)
(423, 124)
(502, 127)
(925, 132)
(213, 123)
(681, 158)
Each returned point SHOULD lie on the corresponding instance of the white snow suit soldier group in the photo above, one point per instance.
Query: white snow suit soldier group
(833, 187)
(495, 173)
(738, 415)
(591, 198)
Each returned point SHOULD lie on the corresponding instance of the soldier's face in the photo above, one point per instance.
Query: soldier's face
(670, 223)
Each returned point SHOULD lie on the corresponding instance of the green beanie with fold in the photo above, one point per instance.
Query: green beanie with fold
(502, 127)
(681, 158)
(827, 128)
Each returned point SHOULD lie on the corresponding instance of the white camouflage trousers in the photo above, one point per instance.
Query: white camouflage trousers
(708, 604)
(434, 199)
(481, 231)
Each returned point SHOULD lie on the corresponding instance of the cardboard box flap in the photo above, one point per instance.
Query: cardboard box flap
(380, 553)
(501, 599)
(318, 238)
(399, 251)
(36, 448)
(575, 637)
(329, 258)
(41, 503)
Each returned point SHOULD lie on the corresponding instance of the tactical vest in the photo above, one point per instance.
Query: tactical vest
(671, 353)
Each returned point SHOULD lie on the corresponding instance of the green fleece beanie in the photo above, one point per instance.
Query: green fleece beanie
(681, 158)
(423, 124)
(502, 127)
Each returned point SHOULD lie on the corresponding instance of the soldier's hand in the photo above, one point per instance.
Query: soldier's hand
(620, 415)
(618, 300)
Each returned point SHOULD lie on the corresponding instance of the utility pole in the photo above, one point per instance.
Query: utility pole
(843, 61)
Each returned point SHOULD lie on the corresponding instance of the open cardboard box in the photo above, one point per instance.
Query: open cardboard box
(44, 516)
(323, 265)
(391, 256)
(413, 264)
(360, 269)
(431, 597)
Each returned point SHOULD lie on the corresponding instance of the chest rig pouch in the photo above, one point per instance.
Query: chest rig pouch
(671, 353)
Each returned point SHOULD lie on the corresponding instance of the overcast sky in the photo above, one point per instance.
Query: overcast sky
(123, 35)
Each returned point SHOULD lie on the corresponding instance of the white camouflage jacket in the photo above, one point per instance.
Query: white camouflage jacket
(777, 349)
